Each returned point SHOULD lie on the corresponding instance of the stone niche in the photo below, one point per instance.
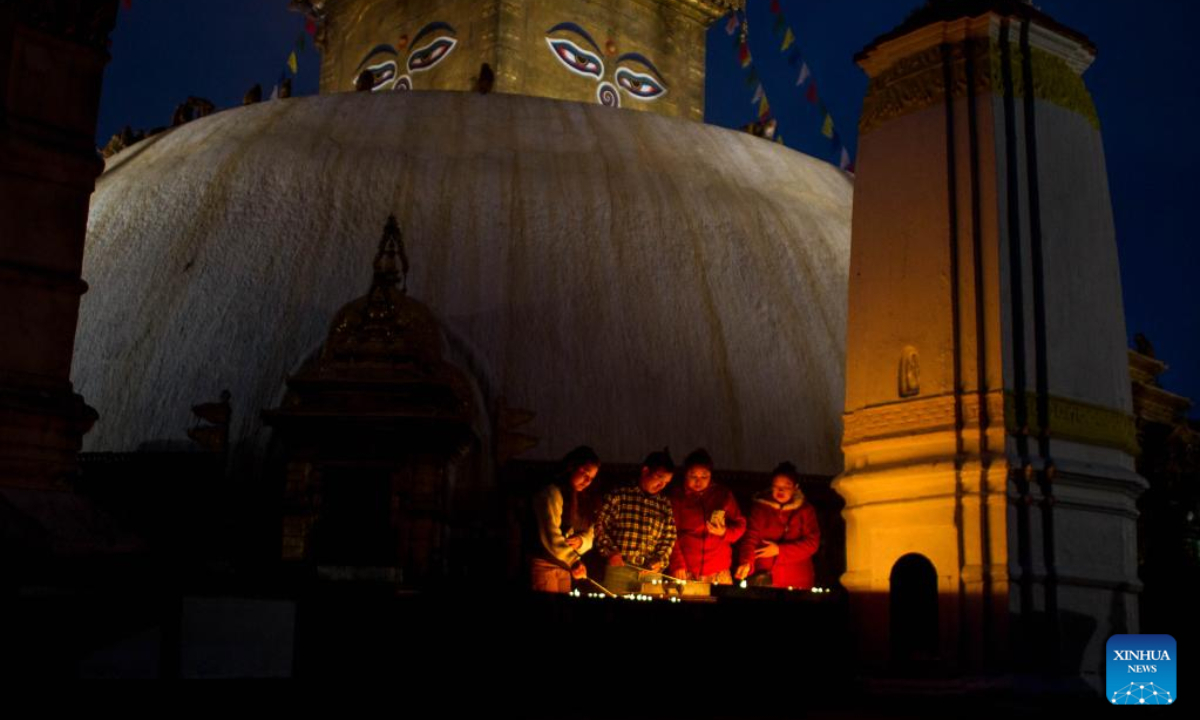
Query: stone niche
(639, 54)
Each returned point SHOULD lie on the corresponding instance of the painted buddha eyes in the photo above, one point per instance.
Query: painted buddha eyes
(637, 85)
(575, 58)
(426, 57)
(641, 86)
(383, 73)
(386, 75)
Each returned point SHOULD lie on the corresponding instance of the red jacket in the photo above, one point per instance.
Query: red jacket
(794, 528)
(696, 549)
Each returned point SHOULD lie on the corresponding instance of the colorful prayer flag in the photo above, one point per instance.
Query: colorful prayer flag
(827, 126)
(780, 24)
(310, 27)
(300, 44)
(811, 95)
(732, 25)
(757, 94)
(804, 73)
(292, 62)
(788, 39)
(744, 54)
(764, 109)
(752, 78)
(845, 163)
(775, 7)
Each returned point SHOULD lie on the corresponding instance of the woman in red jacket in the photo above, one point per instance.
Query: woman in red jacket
(783, 533)
(708, 522)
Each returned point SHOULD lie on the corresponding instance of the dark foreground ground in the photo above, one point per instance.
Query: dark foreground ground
(479, 652)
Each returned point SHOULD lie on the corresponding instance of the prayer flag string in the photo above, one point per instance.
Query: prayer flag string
(804, 76)
(747, 63)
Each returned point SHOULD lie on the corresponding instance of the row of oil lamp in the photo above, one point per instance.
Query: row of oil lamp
(631, 596)
(646, 598)
(817, 590)
(743, 585)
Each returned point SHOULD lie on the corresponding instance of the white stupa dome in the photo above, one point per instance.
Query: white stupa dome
(634, 280)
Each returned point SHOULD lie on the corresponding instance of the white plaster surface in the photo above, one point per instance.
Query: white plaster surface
(901, 294)
(635, 280)
(1085, 316)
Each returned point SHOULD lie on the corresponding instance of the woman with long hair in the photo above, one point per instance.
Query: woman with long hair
(782, 535)
(562, 513)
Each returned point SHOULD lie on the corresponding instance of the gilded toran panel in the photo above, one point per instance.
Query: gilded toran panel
(1076, 421)
(918, 82)
(1068, 419)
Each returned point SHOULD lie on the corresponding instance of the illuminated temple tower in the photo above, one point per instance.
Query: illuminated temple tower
(989, 442)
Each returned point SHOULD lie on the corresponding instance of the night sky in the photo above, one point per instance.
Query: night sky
(166, 50)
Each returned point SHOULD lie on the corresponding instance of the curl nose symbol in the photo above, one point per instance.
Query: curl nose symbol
(607, 95)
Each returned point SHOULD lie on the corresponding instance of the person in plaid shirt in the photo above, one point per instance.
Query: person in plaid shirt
(636, 527)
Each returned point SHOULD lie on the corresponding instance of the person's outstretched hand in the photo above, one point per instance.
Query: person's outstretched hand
(769, 549)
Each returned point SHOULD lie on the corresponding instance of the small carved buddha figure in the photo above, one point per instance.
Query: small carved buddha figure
(910, 373)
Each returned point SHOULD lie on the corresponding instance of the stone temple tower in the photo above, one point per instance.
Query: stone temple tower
(641, 54)
(989, 482)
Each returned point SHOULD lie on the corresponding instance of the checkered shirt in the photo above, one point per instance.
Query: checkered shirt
(639, 526)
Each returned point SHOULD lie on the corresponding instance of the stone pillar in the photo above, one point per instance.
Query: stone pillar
(988, 420)
(53, 54)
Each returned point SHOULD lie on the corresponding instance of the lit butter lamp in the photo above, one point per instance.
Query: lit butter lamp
(667, 586)
(744, 589)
